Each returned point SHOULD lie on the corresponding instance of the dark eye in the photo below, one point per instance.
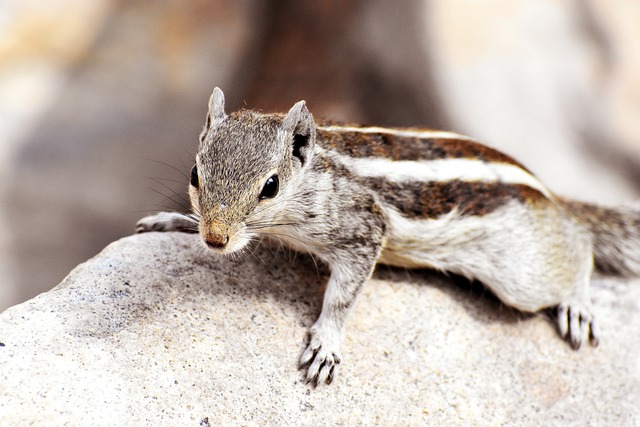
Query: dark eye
(270, 188)
(194, 176)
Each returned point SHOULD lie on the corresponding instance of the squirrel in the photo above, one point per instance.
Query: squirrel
(354, 196)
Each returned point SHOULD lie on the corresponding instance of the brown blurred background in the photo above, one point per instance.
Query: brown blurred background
(101, 101)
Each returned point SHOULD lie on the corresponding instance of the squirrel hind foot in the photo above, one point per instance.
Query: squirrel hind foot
(577, 325)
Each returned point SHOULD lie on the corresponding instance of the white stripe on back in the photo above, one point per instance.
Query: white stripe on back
(399, 132)
(443, 170)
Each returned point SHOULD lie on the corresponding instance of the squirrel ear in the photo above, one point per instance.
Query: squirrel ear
(216, 107)
(299, 122)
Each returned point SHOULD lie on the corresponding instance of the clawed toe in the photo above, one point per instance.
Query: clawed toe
(577, 325)
(320, 362)
(321, 370)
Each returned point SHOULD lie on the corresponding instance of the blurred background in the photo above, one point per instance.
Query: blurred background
(101, 101)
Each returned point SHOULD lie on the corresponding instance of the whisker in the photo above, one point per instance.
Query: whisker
(298, 239)
(269, 246)
(196, 213)
(177, 202)
(177, 181)
(253, 253)
(189, 154)
(268, 225)
(182, 196)
(152, 210)
(302, 244)
(191, 217)
(274, 205)
(180, 171)
(292, 253)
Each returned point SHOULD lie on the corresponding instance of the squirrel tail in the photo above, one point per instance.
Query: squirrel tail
(616, 236)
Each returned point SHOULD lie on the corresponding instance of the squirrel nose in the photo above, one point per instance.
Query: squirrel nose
(214, 234)
(217, 241)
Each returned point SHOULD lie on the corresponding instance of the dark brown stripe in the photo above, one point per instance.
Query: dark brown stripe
(395, 147)
(434, 199)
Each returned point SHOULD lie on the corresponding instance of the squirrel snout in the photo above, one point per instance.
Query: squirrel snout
(216, 237)
(216, 241)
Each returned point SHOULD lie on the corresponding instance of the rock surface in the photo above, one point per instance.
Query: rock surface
(154, 331)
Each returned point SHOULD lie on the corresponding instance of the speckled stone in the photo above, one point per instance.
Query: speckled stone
(155, 331)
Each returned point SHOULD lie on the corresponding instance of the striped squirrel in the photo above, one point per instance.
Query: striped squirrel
(355, 196)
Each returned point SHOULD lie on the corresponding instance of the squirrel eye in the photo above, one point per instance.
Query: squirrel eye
(194, 176)
(270, 188)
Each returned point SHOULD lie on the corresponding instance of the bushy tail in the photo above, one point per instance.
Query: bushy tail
(616, 236)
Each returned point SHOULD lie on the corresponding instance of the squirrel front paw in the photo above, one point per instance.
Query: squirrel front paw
(167, 221)
(576, 324)
(321, 357)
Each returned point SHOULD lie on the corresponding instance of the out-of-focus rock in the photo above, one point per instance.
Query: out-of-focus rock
(548, 82)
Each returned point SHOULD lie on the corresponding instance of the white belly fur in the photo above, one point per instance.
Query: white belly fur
(431, 243)
(505, 250)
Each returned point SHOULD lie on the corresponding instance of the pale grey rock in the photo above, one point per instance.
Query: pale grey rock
(155, 331)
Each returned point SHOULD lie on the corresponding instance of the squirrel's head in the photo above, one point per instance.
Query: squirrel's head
(246, 167)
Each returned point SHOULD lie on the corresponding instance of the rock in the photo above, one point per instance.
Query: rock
(154, 330)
